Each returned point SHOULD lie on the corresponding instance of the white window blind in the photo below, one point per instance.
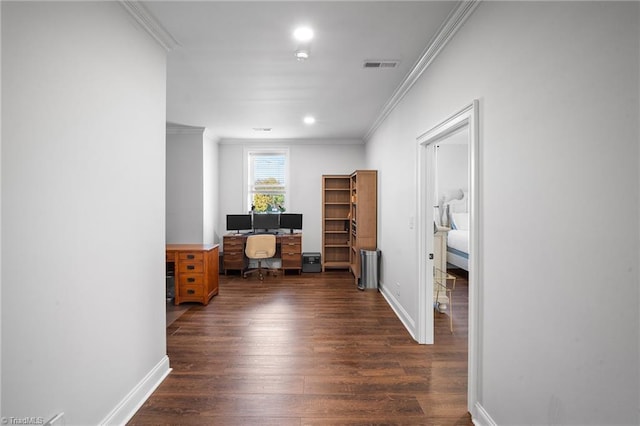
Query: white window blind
(267, 180)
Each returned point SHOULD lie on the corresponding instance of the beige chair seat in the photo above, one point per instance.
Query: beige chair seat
(259, 247)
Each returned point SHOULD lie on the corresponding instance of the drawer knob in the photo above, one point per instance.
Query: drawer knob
(191, 280)
(191, 267)
(191, 291)
(190, 256)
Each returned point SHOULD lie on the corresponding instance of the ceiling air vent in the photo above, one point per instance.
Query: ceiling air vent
(380, 64)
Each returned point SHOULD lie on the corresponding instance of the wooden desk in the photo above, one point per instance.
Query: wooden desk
(288, 249)
(196, 271)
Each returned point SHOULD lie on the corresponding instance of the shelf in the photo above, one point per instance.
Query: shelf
(336, 216)
(340, 265)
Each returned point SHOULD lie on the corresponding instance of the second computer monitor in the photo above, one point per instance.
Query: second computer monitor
(291, 221)
(265, 222)
(238, 222)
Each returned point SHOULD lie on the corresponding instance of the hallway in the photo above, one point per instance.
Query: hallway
(308, 349)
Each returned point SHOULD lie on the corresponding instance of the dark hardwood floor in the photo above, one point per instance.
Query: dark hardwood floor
(309, 349)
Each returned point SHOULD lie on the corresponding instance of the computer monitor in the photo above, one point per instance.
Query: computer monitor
(291, 221)
(265, 222)
(238, 222)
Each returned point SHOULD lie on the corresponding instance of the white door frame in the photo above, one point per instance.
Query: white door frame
(467, 117)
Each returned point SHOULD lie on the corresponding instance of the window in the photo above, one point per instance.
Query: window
(267, 180)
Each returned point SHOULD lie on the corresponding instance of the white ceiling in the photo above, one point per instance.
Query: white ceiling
(232, 67)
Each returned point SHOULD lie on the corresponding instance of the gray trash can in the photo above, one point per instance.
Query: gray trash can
(171, 280)
(171, 288)
(369, 265)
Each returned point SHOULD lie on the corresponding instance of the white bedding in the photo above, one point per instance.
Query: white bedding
(457, 210)
(458, 248)
(458, 239)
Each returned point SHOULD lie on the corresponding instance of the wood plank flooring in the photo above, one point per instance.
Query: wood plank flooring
(308, 349)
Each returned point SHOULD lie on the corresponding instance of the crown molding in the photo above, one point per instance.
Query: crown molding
(180, 129)
(290, 142)
(150, 24)
(453, 23)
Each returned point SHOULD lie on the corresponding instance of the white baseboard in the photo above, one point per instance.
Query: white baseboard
(400, 312)
(480, 417)
(124, 411)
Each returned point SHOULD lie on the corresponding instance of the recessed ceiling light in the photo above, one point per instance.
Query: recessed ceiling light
(309, 119)
(303, 34)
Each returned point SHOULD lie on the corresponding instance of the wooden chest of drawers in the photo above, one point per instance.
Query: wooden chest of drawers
(291, 252)
(233, 253)
(196, 271)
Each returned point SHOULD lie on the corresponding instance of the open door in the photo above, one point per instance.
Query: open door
(465, 121)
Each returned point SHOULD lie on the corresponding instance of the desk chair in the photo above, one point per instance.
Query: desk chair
(259, 247)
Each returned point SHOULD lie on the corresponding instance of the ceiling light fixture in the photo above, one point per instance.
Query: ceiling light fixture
(303, 34)
(309, 120)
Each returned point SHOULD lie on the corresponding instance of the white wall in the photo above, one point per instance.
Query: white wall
(453, 168)
(83, 169)
(308, 161)
(185, 174)
(0, 210)
(192, 185)
(558, 90)
(210, 187)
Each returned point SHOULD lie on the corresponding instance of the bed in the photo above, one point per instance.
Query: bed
(458, 236)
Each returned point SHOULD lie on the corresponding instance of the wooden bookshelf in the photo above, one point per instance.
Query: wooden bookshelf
(363, 192)
(336, 208)
(349, 219)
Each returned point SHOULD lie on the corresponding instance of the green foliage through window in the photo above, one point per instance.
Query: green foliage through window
(267, 181)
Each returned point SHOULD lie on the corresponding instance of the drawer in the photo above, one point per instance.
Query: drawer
(235, 264)
(196, 255)
(188, 291)
(233, 249)
(170, 256)
(191, 267)
(233, 256)
(291, 248)
(289, 258)
(191, 279)
(235, 241)
(286, 239)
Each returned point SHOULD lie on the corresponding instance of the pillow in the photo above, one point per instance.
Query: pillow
(460, 221)
(460, 205)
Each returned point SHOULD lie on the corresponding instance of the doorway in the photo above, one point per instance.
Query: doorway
(463, 122)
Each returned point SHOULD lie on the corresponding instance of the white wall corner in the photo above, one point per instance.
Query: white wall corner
(148, 23)
(208, 134)
(125, 410)
(480, 417)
